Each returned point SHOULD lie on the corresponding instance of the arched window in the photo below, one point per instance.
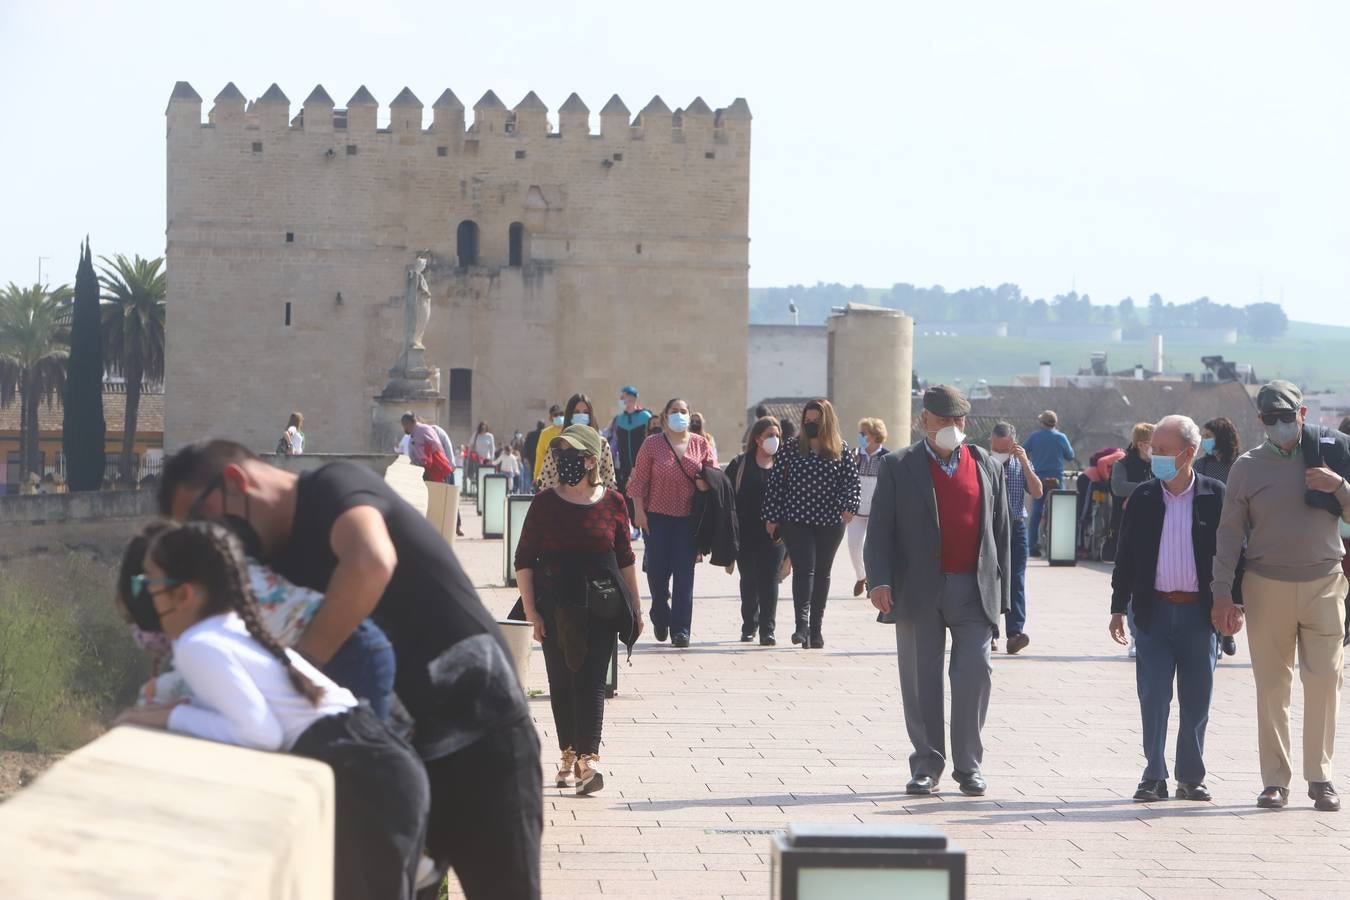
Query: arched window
(516, 256)
(466, 243)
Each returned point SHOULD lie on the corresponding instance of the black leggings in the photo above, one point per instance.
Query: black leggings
(758, 563)
(381, 810)
(812, 548)
(578, 698)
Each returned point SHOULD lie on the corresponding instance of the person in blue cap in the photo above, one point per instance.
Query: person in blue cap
(626, 434)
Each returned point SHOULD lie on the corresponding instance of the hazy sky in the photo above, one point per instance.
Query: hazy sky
(1186, 147)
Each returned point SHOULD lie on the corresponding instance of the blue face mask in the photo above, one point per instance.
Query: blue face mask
(1164, 467)
(678, 422)
(862, 442)
(1207, 446)
(558, 420)
(581, 418)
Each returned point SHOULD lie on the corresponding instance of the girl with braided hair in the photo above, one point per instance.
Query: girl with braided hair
(249, 690)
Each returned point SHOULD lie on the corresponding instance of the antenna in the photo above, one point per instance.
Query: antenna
(792, 308)
(40, 259)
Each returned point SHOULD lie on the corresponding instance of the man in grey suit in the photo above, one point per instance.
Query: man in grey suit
(937, 558)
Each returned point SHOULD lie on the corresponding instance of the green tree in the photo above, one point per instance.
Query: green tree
(133, 334)
(33, 353)
(84, 432)
(1266, 321)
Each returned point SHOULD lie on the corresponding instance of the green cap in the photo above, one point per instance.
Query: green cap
(1279, 396)
(583, 437)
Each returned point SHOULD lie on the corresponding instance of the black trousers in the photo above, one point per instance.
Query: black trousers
(759, 562)
(382, 799)
(812, 548)
(487, 814)
(578, 698)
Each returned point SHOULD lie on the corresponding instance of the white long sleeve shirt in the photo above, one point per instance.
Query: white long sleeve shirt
(241, 694)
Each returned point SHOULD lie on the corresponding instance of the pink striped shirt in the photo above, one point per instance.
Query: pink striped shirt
(1176, 550)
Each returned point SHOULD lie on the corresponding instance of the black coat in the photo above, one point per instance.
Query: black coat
(1136, 568)
(717, 528)
(1326, 448)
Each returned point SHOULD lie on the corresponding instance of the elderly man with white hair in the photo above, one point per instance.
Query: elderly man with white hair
(1164, 567)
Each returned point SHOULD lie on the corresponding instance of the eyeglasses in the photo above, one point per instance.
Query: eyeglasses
(215, 484)
(1269, 419)
(144, 584)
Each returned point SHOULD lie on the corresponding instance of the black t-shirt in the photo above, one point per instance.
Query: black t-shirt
(455, 673)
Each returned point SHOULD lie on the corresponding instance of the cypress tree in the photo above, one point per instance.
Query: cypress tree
(84, 431)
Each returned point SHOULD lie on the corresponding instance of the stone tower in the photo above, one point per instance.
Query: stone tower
(559, 260)
(871, 364)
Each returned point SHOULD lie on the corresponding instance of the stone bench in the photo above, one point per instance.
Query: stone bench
(148, 814)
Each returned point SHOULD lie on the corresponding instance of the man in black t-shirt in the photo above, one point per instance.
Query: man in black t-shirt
(342, 530)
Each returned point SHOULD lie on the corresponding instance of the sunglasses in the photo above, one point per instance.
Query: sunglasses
(143, 585)
(1272, 418)
(215, 484)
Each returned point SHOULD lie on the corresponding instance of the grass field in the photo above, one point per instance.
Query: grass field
(1315, 356)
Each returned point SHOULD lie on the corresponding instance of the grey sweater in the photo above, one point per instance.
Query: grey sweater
(1287, 540)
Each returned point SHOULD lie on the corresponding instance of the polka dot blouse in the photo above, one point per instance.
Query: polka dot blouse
(810, 489)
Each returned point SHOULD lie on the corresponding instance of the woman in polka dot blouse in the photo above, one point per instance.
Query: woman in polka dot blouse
(812, 495)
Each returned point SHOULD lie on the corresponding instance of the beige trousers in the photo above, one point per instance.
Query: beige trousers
(1284, 616)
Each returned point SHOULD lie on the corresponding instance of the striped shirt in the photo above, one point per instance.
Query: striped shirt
(1176, 549)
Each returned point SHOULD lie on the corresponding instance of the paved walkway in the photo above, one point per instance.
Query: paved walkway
(709, 748)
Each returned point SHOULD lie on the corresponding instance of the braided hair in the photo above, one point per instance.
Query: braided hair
(210, 556)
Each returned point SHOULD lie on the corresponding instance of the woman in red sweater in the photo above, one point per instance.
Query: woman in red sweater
(574, 546)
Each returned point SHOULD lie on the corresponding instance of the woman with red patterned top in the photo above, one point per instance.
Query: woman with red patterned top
(574, 543)
(667, 471)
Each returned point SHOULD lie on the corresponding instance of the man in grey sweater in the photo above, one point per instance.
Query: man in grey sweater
(1293, 592)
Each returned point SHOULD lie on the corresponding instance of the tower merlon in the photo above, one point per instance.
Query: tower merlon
(405, 112)
(574, 118)
(362, 110)
(447, 116)
(531, 115)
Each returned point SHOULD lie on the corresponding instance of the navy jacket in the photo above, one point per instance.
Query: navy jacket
(1140, 533)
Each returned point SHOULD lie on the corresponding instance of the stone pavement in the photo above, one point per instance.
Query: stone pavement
(708, 749)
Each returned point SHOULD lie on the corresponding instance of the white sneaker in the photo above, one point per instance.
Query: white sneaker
(1131, 652)
(427, 873)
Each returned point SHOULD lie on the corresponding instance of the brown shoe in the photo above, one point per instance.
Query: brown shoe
(1017, 643)
(859, 587)
(589, 778)
(565, 767)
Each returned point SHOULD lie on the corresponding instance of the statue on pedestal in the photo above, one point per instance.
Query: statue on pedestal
(411, 377)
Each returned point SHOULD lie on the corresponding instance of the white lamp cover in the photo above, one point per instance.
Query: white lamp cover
(495, 488)
(1063, 549)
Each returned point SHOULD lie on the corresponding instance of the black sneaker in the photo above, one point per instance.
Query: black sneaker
(1228, 645)
(660, 632)
(679, 641)
(1151, 790)
(747, 638)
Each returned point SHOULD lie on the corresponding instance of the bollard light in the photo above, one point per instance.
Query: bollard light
(484, 470)
(495, 487)
(866, 862)
(1063, 549)
(517, 505)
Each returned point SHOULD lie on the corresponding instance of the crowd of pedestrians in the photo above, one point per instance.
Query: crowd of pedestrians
(320, 614)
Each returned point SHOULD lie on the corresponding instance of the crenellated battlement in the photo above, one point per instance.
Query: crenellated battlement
(271, 113)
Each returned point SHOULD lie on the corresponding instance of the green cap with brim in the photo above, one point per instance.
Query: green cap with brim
(583, 437)
(945, 401)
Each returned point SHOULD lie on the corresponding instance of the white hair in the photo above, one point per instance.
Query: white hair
(1184, 426)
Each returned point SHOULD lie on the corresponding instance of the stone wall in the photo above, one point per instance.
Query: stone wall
(635, 272)
(148, 814)
(786, 361)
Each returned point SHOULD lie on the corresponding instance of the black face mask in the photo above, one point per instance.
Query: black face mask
(141, 605)
(571, 466)
(242, 528)
(811, 429)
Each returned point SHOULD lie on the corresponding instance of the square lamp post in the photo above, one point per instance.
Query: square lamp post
(484, 470)
(866, 862)
(1063, 549)
(496, 487)
(517, 505)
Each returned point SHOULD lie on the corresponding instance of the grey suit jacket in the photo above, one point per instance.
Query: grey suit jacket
(904, 538)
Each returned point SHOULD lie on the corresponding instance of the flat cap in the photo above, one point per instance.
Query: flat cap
(1279, 396)
(946, 401)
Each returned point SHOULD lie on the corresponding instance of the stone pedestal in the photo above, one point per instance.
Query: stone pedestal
(387, 424)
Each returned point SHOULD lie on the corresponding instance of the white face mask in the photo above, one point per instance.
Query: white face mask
(949, 438)
(769, 445)
(1000, 458)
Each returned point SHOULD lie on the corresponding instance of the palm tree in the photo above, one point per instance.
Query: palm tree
(34, 336)
(133, 334)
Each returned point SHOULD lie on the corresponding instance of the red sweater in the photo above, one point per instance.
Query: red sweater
(959, 513)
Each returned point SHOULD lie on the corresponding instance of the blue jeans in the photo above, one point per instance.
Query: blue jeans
(670, 557)
(1179, 643)
(365, 666)
(1016, 618)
